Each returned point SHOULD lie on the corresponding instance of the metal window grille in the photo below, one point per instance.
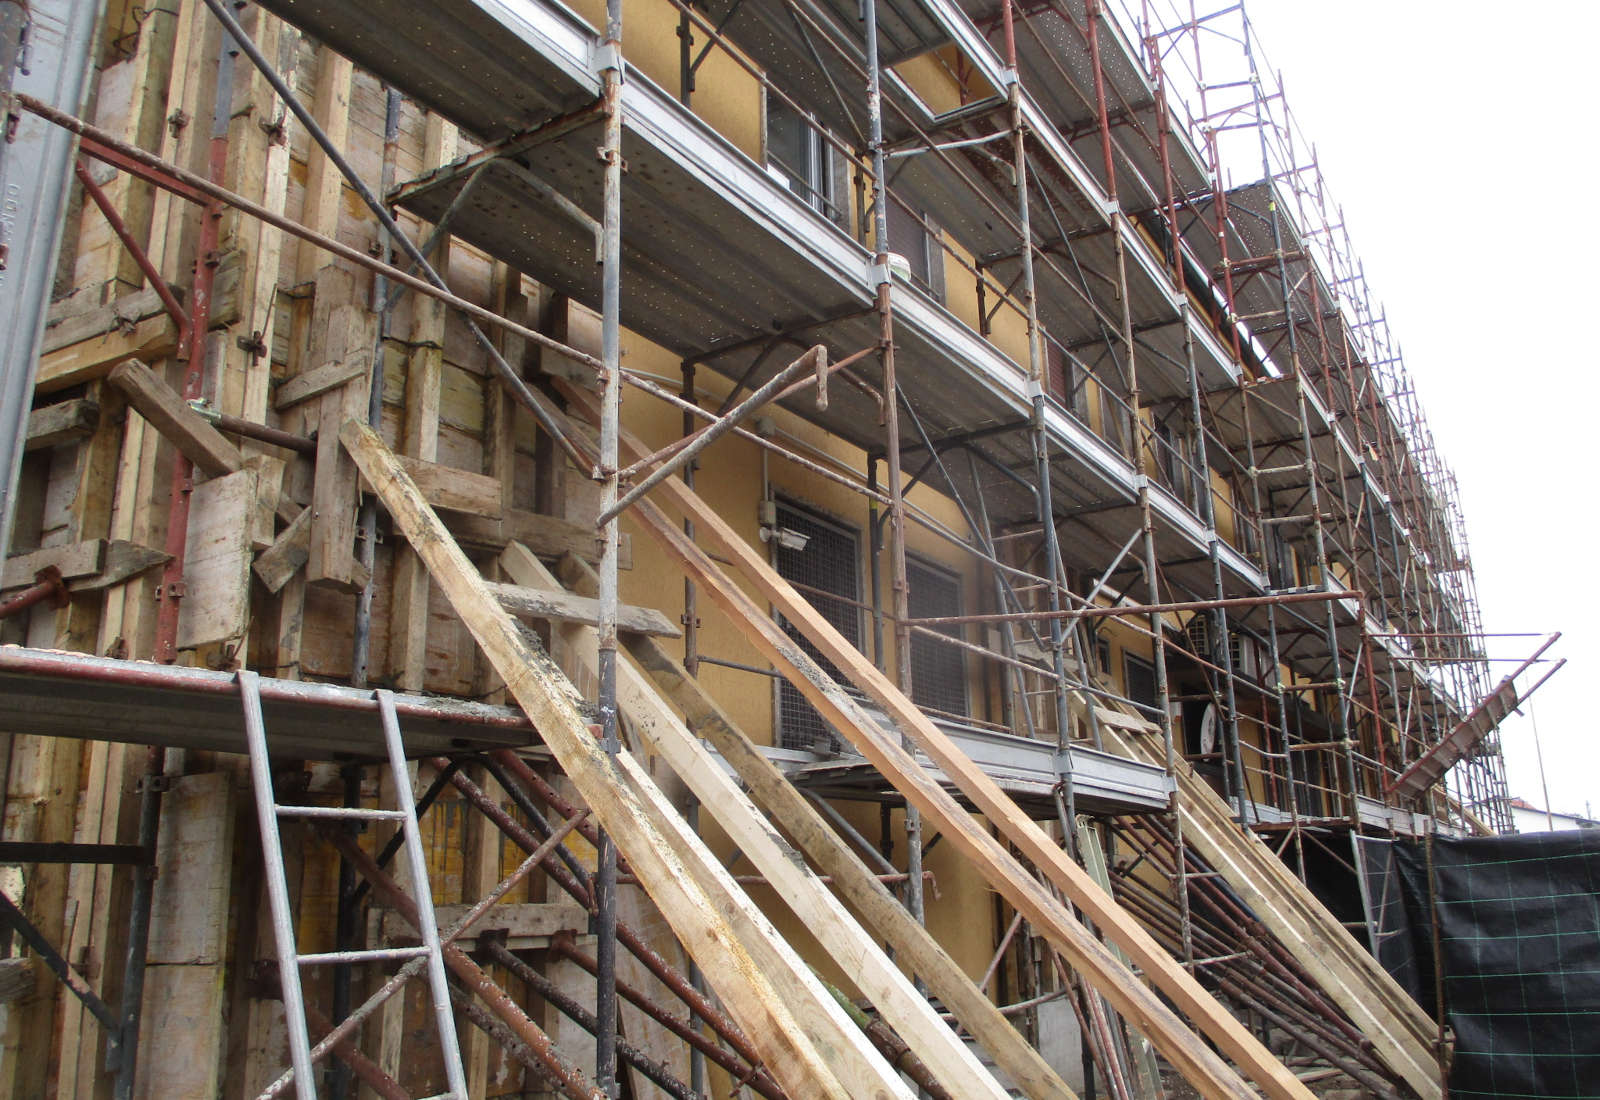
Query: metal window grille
(829, 563)
(938, 671)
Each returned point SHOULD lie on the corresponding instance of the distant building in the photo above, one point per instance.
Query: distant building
(1529, 818)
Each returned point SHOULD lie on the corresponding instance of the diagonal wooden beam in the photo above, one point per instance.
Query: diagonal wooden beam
(856, 953)
(1198, 1063)
(686, 882)
(851, 878)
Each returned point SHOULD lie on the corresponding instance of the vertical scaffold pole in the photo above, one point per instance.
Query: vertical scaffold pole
(899, 589)
(611, 74)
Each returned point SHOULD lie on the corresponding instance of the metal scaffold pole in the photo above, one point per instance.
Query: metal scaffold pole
(45, 50)
(899, 588)
(611, 76)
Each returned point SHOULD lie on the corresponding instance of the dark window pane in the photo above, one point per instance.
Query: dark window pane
(1139, 679)
(909, 238)
(938, 671)
(830, 562)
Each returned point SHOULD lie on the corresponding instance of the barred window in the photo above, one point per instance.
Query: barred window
(829, 567)
(938, 670)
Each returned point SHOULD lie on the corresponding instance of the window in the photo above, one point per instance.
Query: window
(797, 156)
(938, 670)
(1139, 680)
(1114, 417)
(827, 561)
(1064, 380)
(908, 237)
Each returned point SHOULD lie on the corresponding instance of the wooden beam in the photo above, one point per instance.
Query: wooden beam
(548, 536)
(419, 434)
(673, 869)
(74, 560)
(851, 878)
(122, 559)
(565, 607)
(334, 491)
(1401, 1033)
(71, 324)
(856, 953)
(85, 566)
(210, 451)
(75, 364)
(454, 489)
(526, 925)
(314, 383)
(1198, 1063)
(283, 559)
(61, 423)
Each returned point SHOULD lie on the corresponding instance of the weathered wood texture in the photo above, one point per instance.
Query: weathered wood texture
(88, 346)
(565, 607)
(53, 425)
(682, 877)
(85, 566)
(212, 453)
(216, 568)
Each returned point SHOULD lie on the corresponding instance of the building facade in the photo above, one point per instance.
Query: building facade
(1111, 514)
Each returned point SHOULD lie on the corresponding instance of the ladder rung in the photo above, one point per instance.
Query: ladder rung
(376, 954)
(347, 812)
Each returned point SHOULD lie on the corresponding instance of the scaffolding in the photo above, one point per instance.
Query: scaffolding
(1180, 411)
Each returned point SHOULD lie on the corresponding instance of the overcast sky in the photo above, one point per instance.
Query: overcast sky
(1461, 140)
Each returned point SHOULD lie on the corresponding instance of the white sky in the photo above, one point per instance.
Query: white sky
(1461, 140)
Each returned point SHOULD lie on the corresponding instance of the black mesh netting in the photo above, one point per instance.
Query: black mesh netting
(1519, 937)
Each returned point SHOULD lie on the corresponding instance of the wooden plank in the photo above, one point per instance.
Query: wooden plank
(855, 1062)
(1146, 1073)
(283, 559)
(75, 325)
(270, 471)
(74, 560)
(453, 489)
(548, 536)
(150, 339)
(1199, 1064)
(525, 925)
(61, 423)
(332, 560)
(216, 567)
(565, 607)
(851, 878)
(856, 953)
(314, 383)
(1401, 1034)
(672, 868)
(409, 599)
(17, 980)
(193, 435)
(122, 560)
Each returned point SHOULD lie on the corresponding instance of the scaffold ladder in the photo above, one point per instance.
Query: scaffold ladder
(268, 811)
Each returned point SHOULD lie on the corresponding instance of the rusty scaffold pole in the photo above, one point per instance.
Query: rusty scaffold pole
(899, 587)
